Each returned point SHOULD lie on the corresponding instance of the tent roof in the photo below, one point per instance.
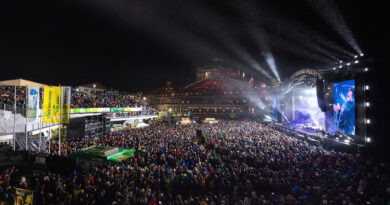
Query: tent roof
(21, 82)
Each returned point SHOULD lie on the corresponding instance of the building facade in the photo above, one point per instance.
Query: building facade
(218, 93)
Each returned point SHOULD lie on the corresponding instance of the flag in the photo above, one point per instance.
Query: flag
(32, 103)
(251, 82)
(46, 105)
(65, 103)
(55, 105)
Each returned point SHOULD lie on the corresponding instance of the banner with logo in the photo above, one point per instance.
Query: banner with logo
(65, 103)
(46, 105)
(132, 109)
(103, 109)
(55, 105)
(32, 103)
(23, 197)
(116, 109)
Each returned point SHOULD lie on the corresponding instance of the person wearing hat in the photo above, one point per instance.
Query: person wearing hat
(346, 114)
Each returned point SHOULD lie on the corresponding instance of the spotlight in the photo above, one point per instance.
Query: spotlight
(356, 56)
(367, 87)
(340, 66)
(334, 68)
(367, 104)
(368, 121)
(341, 61)
(368, 139)
(365, 69)
(348, 64)
(361, 54)
(300, 97)
(356, 62)
(347, 141)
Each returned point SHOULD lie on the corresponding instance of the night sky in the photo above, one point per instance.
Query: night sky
(140, 45)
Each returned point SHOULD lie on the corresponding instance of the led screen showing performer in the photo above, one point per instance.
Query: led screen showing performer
(344, 106)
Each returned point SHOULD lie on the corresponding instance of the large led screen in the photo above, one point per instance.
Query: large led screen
(344, 106)
(306, 110)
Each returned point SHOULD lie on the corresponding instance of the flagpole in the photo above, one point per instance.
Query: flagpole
(59, 130)
(40, 120)
(40, 129)
(50, 95)
(26, 102)
(15, 119)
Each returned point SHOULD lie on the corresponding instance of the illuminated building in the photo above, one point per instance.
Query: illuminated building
(218, 92)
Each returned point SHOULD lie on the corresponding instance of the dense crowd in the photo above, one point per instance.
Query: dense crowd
(78, 100)
(239, 163)
(7, 95)
(104, 99)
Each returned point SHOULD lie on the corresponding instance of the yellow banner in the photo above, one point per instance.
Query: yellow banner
(46, 105)
(55, 104)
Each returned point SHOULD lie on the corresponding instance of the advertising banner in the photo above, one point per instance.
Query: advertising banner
(55, 104)
(104, 109)
(75, 110)
(32, 102)
(116, 109)
(84, 110)
(132, 109)
(46, 105)
(23, 197)
(65, 103)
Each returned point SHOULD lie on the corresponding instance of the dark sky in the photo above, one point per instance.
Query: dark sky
(139, 45)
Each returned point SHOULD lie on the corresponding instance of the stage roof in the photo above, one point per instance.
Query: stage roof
(21, 82)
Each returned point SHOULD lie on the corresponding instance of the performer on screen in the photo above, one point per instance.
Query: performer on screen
(346, 115)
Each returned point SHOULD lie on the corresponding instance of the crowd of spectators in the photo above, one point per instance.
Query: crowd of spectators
(105, 99)
(79, 99)
(239, 163)
(7, 95)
